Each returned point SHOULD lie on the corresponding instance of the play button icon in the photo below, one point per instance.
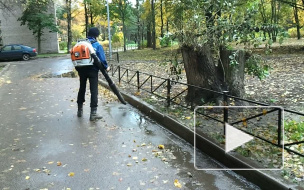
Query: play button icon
(235, 138)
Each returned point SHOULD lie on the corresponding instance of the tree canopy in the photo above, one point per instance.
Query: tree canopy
(37, 18)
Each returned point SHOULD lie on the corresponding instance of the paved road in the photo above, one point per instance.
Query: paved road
(43, 145)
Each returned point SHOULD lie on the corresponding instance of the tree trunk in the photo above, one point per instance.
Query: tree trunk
(142, 35)
(39, 34)
(233, 75)
(138, 25)
(161, 19)
(296, 17)
(153, 26)
(69, 20)
(202, 71)
(149, 40)
(167, 27)
(124, 34)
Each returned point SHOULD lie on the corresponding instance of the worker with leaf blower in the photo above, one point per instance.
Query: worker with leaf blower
(90, 71)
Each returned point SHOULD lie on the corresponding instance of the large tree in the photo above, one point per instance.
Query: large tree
(37, 18)
(122, 8)
(206, 31)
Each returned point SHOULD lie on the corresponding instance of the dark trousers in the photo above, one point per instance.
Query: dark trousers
(92, 75)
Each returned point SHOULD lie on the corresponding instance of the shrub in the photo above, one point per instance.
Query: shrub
(292, 32)
(73, 43)
(63, 45)
(105, 43)
(145, 43)
(117, 37)
(166, 41)
(116, 44)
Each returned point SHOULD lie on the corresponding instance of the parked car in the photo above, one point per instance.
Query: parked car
(17, 51)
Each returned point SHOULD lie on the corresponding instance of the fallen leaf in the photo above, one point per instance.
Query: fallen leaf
(188, 117)
(177, 184)
(129, 164)
(27, 177)
(264, 112)
(244, 123)
(144, 159)
(116, 173)
(71, 174)
(22, 108)
(51, 162)
(21, 161)
(161, 146)
(59, 164)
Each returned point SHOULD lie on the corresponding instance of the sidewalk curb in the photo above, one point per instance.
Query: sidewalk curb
(206, 145)
(5, 68)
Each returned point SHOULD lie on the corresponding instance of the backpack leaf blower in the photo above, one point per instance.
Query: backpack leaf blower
(113, 87)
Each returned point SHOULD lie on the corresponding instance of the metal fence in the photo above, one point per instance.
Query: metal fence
(174, 92)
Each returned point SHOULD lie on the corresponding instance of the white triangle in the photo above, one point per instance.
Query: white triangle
(235, 138)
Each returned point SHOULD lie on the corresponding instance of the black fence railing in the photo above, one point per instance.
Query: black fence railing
(174, 92)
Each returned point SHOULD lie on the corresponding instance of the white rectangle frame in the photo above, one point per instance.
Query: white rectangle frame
(221, 169)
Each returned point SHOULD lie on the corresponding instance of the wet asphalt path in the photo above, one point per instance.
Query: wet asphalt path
(43, 145)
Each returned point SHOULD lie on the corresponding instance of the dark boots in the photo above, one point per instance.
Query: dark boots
(94, 116)
(79, 111)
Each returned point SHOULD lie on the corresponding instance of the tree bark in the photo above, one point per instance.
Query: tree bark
(149, 39)
(138, 25)
(202, 71)
(69, 20)
(296, 17)
(233, 75)
(39, 34)
(153, 26)
(161, 19)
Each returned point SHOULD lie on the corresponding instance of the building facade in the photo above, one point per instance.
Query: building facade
(11, 31)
